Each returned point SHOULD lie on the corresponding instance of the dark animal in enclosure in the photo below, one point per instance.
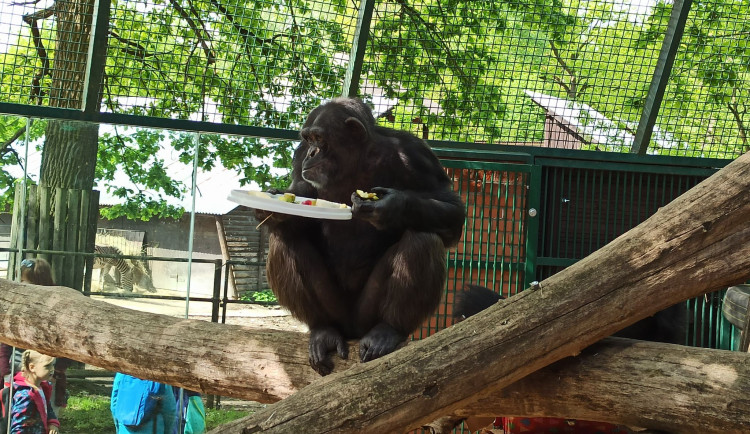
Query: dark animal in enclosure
(378, 276)
(668, 326)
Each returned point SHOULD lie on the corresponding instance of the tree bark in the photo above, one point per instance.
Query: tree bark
(634, 383)
(70, 147)
(227, 360)
(696, 244)
(617, 380)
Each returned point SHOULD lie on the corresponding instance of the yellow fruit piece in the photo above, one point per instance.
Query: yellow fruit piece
(367, 196)
(288, 197)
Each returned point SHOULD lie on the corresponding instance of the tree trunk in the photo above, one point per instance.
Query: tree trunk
(219, 359)
(696, 244)
(69, 156)
(70, 148)
(681, 389)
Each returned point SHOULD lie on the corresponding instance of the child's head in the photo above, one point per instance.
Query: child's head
(37, 365)
(36, 271)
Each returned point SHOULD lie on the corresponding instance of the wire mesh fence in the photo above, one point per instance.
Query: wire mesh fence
(459, 71)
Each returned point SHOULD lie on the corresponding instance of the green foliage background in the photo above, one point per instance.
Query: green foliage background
(447, 70)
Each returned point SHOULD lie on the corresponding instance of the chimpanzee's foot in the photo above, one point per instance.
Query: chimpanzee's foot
(323, 340)
(379, 341)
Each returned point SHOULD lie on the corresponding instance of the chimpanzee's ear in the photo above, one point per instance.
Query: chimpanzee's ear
(357, 129)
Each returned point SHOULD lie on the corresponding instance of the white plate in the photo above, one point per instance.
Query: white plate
(253, 199)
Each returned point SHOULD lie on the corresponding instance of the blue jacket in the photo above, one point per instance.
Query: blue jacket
(162, 422)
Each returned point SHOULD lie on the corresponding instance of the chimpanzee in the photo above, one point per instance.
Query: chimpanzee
(378, 276)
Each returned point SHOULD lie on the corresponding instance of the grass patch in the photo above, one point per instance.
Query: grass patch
(88, 411)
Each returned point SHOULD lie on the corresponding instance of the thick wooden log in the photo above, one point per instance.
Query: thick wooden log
(643, 384)
(617, 380)
(696, 244)
(220, 359)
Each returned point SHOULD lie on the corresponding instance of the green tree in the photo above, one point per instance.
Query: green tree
(454, 70)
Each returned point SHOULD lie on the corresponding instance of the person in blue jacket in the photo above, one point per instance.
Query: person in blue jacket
(142, 406)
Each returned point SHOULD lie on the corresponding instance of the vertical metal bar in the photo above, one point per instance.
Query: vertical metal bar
(502, 246)
(499, 227)
(511, 247)
(216, 297)
(532, 223)
(359, 46)
(598, 177)
(675, 29)
(563, 253)
(97, 57)
(481, 200)
(193, 193)
(605, 236)
(23, 204)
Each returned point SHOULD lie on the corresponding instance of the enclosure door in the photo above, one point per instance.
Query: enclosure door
(498, 245)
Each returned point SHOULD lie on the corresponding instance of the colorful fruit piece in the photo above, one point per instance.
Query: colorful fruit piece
(259, 194)
(367, 196)
(288, 197)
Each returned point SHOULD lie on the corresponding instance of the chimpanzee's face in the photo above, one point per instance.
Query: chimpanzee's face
(332, 145)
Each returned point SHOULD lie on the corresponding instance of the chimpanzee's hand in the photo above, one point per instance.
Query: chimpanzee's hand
(322, 341)
(269, 217)
(384, 213)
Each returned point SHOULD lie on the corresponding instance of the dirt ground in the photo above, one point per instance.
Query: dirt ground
(251, 315)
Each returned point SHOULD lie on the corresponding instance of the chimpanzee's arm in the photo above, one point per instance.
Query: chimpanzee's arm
(439, 211)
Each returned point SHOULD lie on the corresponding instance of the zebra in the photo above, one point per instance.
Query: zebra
(127, 271)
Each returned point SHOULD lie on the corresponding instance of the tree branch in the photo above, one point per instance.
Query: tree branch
(37, 95)
(198, 29)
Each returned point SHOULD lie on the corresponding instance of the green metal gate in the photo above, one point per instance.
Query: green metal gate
(494, 250)
(532, 215)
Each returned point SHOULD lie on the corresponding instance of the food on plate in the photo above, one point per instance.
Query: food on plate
(262, 194)
(328, 204)
(292, 198)
(367, 196)
(288, 197)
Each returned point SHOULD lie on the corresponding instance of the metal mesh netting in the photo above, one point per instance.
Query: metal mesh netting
(571, 74)
(261, 63)
(568, 75)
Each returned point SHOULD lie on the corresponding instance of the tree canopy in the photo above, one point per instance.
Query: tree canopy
(444, 69)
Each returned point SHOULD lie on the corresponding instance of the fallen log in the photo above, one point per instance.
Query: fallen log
(643, 384)
(227, 360)
(616, 380)
(696, 244)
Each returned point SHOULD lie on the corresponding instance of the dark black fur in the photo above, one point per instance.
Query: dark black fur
(378, 276)
(473, 300)
(666, 326)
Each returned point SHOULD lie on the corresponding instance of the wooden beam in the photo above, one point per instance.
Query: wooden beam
(618, 380)
(220, 359)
